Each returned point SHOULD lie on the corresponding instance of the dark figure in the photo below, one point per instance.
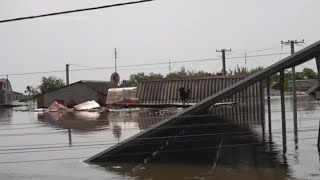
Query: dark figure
(188, 96)
(184, 95)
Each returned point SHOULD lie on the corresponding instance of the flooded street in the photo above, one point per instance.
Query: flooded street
(51, 146)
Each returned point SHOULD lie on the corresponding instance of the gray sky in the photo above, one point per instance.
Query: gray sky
(148, 33)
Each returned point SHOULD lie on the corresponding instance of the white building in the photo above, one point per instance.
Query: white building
(6, 93)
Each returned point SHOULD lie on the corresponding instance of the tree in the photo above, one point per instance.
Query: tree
(135, 78)
(309, 74)
(51, 83)
(244, 71)
(31, 91)
(184, 73)
(181, 73)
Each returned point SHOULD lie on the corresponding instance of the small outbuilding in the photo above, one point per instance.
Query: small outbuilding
(18, 96)
(6, 93)
(116, 95)
(77, 93)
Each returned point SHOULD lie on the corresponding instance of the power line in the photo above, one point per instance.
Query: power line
(130, 154)
(54, 147)
(90, 146)
(138, 65)
(189, 116)
(53, 144)
(57, 150)
(73, 11)
(42, 160)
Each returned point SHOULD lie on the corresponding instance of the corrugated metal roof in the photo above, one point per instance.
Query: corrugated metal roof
(166, 90)
(100, 86)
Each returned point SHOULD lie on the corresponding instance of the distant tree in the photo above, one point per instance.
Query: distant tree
(135, 78)
(183, 73)
(244, 71)
(198, 73)
(51, 83)
(31, 91)
(309, 74)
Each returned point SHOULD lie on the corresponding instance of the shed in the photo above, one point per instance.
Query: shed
(6, 92)
(120, 94)
(18, 96)
(77, 93)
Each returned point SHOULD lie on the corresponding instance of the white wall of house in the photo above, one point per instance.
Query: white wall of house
(77, 92)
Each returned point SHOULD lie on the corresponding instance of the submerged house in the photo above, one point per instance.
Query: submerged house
(6, 93)
(77, 93)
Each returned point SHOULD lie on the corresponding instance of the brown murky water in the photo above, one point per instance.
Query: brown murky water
(40, 146)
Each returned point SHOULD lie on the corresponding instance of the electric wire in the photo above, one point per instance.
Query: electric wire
(233, 145)
(107, 127)
(154, 139)
(137, 65)
(73, 11)
(52, 144)
(55, 147)
(43, 160)
(104, 127)
(94, 146)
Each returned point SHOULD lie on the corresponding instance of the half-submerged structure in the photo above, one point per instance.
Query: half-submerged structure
(77, 93)
(205, 133)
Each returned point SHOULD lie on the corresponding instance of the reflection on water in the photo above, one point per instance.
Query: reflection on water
(78, 121)
(5, 115)
(198, 171)
(196, 153)
(183, 158)
(116, 130)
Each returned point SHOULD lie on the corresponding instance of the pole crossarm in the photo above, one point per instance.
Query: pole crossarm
(223, 51)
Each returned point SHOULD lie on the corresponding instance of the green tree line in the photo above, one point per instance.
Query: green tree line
(306, 73)
(51, 83)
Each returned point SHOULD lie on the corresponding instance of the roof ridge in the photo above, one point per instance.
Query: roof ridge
(91, 84)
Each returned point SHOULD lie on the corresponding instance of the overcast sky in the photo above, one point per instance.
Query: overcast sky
(153, 32)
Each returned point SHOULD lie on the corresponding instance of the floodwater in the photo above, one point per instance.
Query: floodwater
(51, 146)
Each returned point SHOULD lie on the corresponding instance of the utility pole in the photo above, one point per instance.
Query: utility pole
(67, 83)
(170, 66)
(294, 91)
(115, 59)
(245, 60)
(223, 51)
(67, 73)
(7, 90)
